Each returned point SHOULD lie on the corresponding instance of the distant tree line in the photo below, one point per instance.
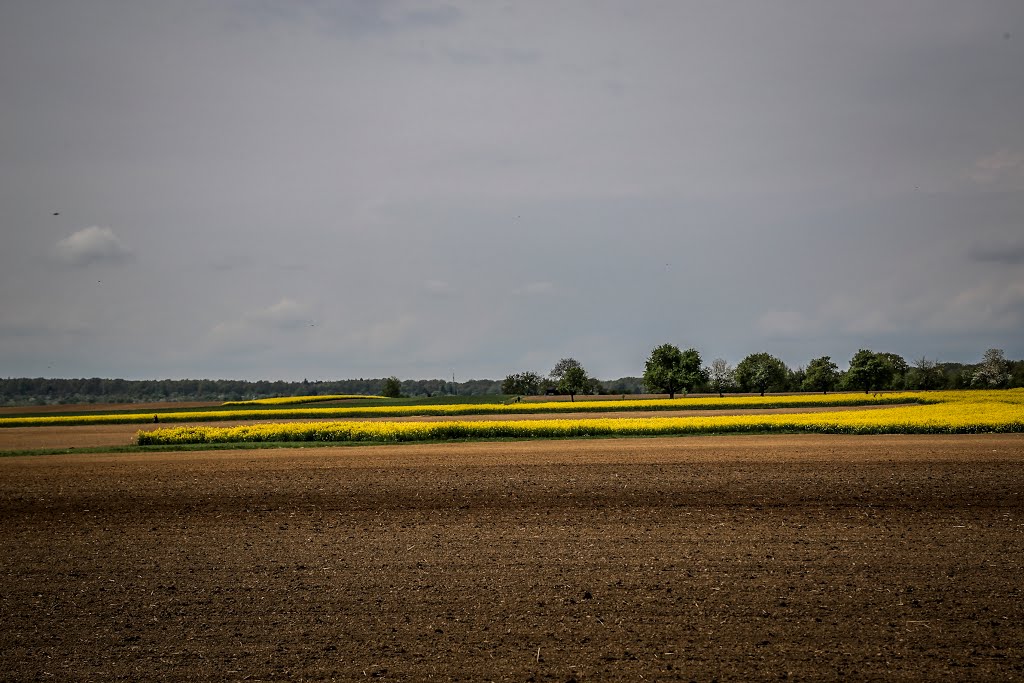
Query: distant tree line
(672, 371)
(669, 370)
(42, 391)
(568, 378)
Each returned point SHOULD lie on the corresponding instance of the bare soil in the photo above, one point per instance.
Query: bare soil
(730, 558)
(105, 407)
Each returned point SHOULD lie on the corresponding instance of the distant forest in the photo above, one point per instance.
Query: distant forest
(41, 391)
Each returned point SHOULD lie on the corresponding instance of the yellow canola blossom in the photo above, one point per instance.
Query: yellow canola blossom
(945, 418)
(1008, 396)
(343, 412)
(295, 400)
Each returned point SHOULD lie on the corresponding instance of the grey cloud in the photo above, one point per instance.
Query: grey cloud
(438, 287)
(1000, 169)
(489, 56)
(261, 329)
(1008, 254)
(285, 314)
(535, 288)
(486, 187)
(445, 15)
(989, 305)
(785, 324)
(357, 18)
(92, 245)
(39, 328)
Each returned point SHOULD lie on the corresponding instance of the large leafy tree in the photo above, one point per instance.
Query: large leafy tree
(821, 375)
(570, 377)
(525, 383)
(869, 370)
(669, 370)
(761, 372)
(898, 379)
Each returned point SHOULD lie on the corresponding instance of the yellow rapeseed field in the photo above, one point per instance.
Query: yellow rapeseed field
(295, 400)
(956, 413)
(355, 412)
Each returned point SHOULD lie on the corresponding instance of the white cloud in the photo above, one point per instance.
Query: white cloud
(92, 245)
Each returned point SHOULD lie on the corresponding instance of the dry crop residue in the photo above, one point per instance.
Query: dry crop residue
(891, 557)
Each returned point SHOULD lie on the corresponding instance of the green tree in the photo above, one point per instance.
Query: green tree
(926, 374)
(956, 376)
(761, 372)
(570, 377)
(795, 379)
(869, 371)
(392, 387)
(525, 383)
(899, 366)
(1016, 373)
(669, 370)
(720, 376)
(822, 375)
(994, 371)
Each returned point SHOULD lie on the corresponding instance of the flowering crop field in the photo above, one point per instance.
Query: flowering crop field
(355, 412)
(959, 413)
(295, 400)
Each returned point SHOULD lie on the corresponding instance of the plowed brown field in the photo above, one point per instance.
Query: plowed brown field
(729, 558)
(104, 407)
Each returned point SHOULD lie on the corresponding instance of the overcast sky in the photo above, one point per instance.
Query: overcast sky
(323, 189)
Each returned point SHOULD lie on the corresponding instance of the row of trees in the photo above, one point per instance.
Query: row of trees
(668, 370)
(567, 377)
(672, 371)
